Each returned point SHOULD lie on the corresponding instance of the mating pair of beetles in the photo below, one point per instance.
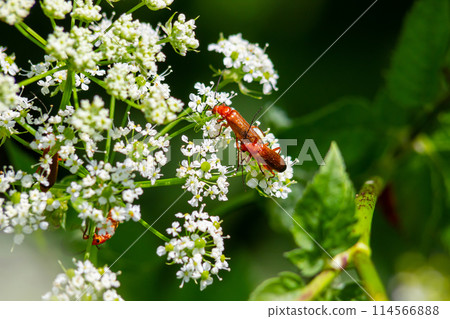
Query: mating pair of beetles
(250, 141)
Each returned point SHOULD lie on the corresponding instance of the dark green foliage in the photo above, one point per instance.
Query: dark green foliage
(414, 77)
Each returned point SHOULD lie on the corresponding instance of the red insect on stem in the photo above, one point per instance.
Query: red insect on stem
(100, 239)
(250, 141)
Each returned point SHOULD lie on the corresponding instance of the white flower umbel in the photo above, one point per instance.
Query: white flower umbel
(130, 41)
(85, 283)
(157, 4)
(23, 211)
(246, 61)
(158, 106)
(56, 9)
(181, 34)
(14, 11)
(91, 119)
(8, 93)
(74, 48)
(86, 11)
(7, 65)
(197, 245)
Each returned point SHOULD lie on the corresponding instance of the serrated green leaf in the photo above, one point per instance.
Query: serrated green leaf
(286, 286)
(415, 73)
(325, 213)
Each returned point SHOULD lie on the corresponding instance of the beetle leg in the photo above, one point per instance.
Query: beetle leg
(277, 149)
(85, 231)
(221, 127)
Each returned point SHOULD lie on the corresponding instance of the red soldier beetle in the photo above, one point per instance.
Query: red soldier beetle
(100, 239)
(250, 140)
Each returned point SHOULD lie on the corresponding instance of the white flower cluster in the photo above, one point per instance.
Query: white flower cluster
(157, 105)
(86, 11)
(7, 64)
(74, 47)
(248, 60)
(102, 187)
(57, 78)
(8, 92)
(14, 11)
(91, 119)
(23, 212)
(8, 117)
(197, 245)
(130, 41)
(206, 98)
(85, 283)
(204, 173)
(56, 9)
(157, 4)
(146, 156)
(110, 186)
(181, 34)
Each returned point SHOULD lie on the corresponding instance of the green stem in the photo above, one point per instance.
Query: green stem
(141, 4)
(318, 284)
(365, 204)
(161, 182)
(369, 276)
(72, 20)
(64, 198)
(40, 76)
(52, 21)
(174, 181)
(22, 141)
(99, 82)
(27, 127)
(87, 254)
(125, 116)
(34, 34)
(182, 130)
(112, 107)
(67, 90)
(153, 230)
(169, 126)
(103, 85)
(75, 94)
(29, 37)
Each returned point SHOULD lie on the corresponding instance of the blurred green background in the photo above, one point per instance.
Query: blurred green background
(353, 70)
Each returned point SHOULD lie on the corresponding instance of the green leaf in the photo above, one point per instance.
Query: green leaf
(325, 213)
(286, 286)
(415, 73)
(304, 260)
(19, 158)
